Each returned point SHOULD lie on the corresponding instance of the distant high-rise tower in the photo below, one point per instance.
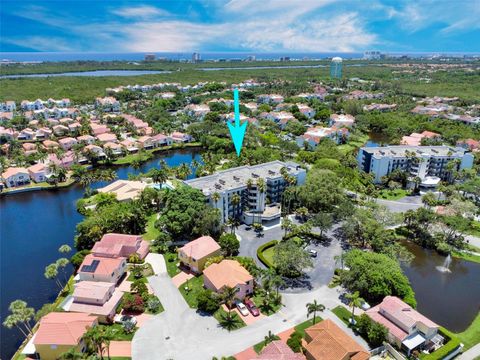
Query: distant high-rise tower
(150, 57)
(195, 57)
(336, 68)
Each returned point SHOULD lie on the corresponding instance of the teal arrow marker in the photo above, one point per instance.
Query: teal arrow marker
(238, 130)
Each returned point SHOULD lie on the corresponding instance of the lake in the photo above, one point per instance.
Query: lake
(33, 226)
(450, 299)
(94, 73)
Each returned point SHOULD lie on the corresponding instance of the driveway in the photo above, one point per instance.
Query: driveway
(402, 205)
(182, 333)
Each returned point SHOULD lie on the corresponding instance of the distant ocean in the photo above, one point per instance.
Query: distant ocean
(72, 56)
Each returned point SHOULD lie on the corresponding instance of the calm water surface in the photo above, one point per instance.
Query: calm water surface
(90, 73)
(33, 226)
(450, 299)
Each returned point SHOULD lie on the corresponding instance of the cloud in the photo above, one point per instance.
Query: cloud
(141, 12)
(41, 43)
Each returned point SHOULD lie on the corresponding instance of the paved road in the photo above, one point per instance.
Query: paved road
(181, 333)
(402, 205)
(471, 354)
(474, 240)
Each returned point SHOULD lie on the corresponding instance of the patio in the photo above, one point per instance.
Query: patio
(182, 277)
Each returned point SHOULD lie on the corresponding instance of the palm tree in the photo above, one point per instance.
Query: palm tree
(272, 279)
(20, 315)
(228, 297)
(287, 225)
(51, 273)
(216, 197)
(159, 176)
(94, 337)
(312, 308)
(64, 249)
(236, 199)
(354, 300)
(270, 337)
(261, 187)
(62, 264)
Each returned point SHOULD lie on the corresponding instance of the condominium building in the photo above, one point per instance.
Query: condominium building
(429, 163)
(240, 194)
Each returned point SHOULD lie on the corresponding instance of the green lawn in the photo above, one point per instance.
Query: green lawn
(236, 323)
(119, 334)
(388, 194)
(171, 260)
(195, 285)
(300, 328)
(466, 256)
(159, 310)
(151, 232)
(272, 309)
(147, 271)
(471, 336)
(268, 254)
(258, 347)
(343, 314)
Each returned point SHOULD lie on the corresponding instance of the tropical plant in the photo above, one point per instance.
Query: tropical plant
(313, 308)
(354, 300)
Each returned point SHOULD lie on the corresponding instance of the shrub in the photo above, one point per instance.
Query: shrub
(153, 304)
(207, 302)
(372, 331)
(295, 342)
(264, 247)
(77, 259)
(133, 303)
(128, 326)
(140, 288)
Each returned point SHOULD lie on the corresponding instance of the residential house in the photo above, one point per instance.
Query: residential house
(50, 145)
(99, 268)
(86, 139)
(313, 136)
(66, 160)
(8, 106)
(124, 190)
(278, 350)
(107, 104)
(407, 328)
(129, 145)
(60, 130)
(252, 106)
(67, 143)
(96, 298)
(179, 137)
(379, 107)
(146, 142)
(415, 139)
(327, 341)
(306, 110)
(94, 149)
(116, 148)
(74, 127)
(26, 134)
(361, 95)
(98, 129)
(58, 332)
(121, 245)
(43, 133)
(161, 140)
(8, 134)
(228, 273)
(29, 148)
(38, 172)
(469, 144)
(194, 255)
(32, 105)
(107, 138)
(269, 98)
(197, 110)
(342, 120)
(6, 115)
(16, 176)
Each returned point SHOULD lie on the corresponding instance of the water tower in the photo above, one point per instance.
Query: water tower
(336, 67)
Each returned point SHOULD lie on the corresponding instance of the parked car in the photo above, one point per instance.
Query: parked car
(241, 307)
(252, 307)
(120, 319)
(312, 253)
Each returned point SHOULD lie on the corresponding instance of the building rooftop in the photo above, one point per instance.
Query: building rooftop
(237, 177)
(94, 290)
(278, 350)
(326, 341)
(100, 265)
(201, 247)
(227, 273)
(401, 150)
(63, 328)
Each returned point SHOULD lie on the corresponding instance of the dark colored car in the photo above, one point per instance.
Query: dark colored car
(251, 307)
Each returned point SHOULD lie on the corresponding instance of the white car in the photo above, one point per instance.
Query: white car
(242, 308)
(120, 319)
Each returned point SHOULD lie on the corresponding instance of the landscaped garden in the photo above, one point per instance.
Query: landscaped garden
(171, 261)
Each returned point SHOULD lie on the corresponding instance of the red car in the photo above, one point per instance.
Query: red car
(251, 307)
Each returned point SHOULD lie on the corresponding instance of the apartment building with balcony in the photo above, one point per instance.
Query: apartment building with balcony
(250, 193)
(429, 163)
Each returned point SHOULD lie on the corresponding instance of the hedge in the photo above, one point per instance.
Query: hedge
(264, 247)
(450, 346)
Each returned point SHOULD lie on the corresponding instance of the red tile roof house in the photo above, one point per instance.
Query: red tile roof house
(228, 273)
(29, 148)
(162, 140)
(121, 245)
(107, 137)
(146, 142)
(58, 332)
(37, 173)
(97, 298)
(116, 148)
(342, 120)
(16, 176)
(194, 255)
(179, 137)
(99, 268)
(98, 129)
(407, 328)
(67, 143)
(86, 139)
(278, 350)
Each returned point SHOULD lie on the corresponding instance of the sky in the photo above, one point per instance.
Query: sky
(240, 25)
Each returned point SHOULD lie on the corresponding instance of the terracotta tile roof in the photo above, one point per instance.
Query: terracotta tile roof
(117, 245)
(326, 341)
(397, 316)
(14, 171)
(36, 168)
(278, 350)
(94, 290)
(63, 328)
(105, 265)
(227, 273)
(201, 247)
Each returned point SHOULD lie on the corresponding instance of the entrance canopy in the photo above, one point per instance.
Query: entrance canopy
(414, 340)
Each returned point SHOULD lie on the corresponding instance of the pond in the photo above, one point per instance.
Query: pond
(451, 299)
(94, 73)
(33, 226)
(376, 139)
